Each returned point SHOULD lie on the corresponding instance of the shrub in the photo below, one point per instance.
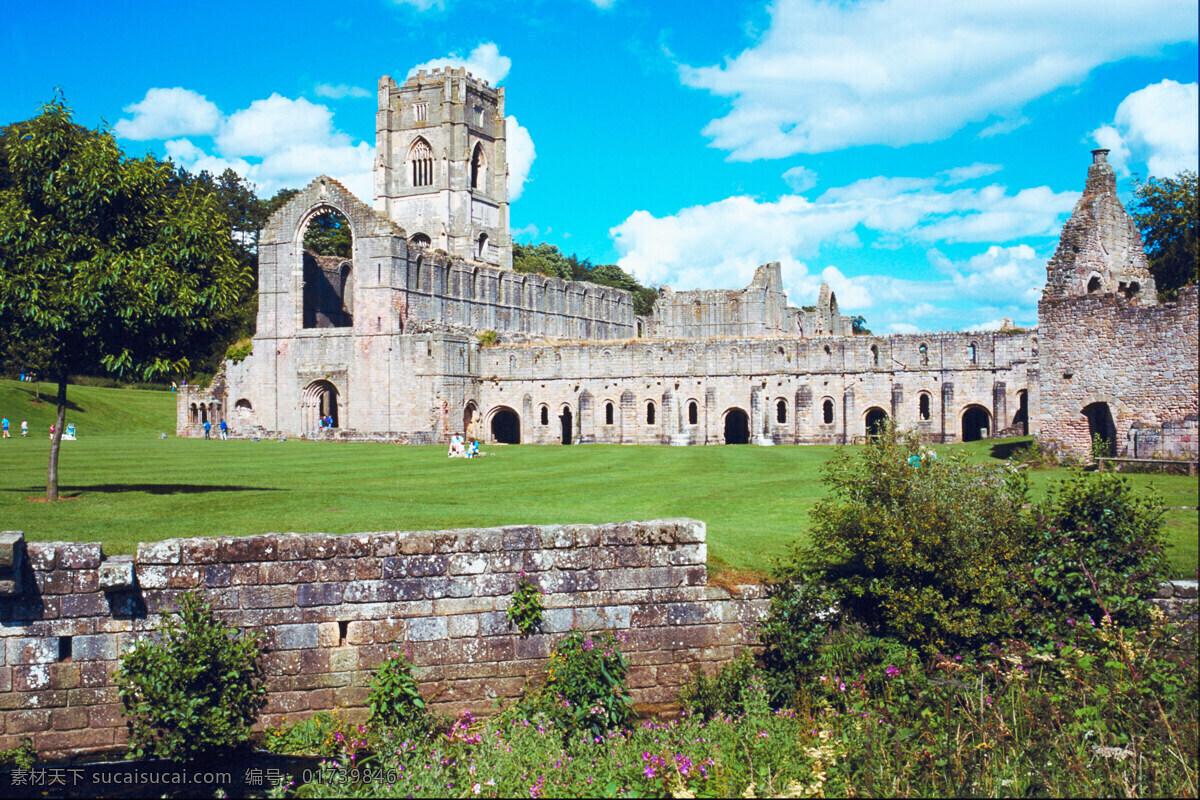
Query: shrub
(23, 756)
(801, 613)
(240, 350)
(1097, 550)
(526, 608)
(195, 687)
(487, 338)
(395, 699)
(724, 693)
(323, 734)
(919, 548)
(585, 686)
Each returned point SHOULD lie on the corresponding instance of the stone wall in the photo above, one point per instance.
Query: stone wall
(332, 607)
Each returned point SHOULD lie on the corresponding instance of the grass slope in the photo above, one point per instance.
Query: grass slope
(128, 485)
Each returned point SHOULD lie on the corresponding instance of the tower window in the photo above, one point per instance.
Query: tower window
(972, 354)
(421, 158)
(924, 351)
(421, 111)
(482, 244)
(650, 413)
(478, 168)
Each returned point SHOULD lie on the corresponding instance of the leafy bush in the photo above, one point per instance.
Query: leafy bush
(918, 548)
(395, 699)
(724, 693)
(240, 350)
(487, 338)
(526, 608)
(585, 686)
(323, 734)
(1097, 550)
(1034, 455)
(195, 687)
(800, 615)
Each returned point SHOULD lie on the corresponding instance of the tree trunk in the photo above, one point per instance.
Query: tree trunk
(56, 440)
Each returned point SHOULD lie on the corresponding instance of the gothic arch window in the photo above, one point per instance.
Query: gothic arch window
(419, 241)
(923, 406)
(972, 353)
(874, 356)
(781, 410)
(827, 411)
(693, 413)
(544, 415)
(924, 351)
(481, 246)
(609, 413)
(478, 168)
(650, 413)
(420, 156)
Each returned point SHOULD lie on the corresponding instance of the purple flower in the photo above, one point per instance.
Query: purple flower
(892, 671)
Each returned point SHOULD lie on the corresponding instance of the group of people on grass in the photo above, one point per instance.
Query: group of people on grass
(222, 425)
(4, 423)
(459, 448)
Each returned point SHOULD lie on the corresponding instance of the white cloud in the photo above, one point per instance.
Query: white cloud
(521, 154)
(801, 179)
(167, 113)
(421, 5)
(606, 4)
(1003, 126)
(1156, 125)
(971, 172)
(719, 245)
(827, 76)
(339, 91)
(484, 62)
(277, 123)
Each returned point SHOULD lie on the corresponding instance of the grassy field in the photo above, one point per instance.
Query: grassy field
(127, 485)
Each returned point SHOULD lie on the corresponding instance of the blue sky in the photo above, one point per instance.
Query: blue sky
(920, 156)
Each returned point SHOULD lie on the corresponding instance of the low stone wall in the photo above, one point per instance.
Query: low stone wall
(332, 607)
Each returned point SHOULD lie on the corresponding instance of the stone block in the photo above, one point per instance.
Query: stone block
(245, 574)
(467, 564)
(200, 551)
(292, 547)
(295, 637)
(217, 575)
(31, 678)
(43, 556)
(355, 545)
(413, 543)
(524, 537)
(427, 629)
(24, 650)
(321, 546)
(116, 574)
(576, 558)
(335, 569)
(10, 548)
(423, 566)
(30, 721)
(96, 647)
(328, 634)
(462, 605)
(290, 572)
(320, 594)
(462, 625)
(169, 551)
(68, 719)
(151, 577)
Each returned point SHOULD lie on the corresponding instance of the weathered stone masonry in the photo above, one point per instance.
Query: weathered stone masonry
(333, 606)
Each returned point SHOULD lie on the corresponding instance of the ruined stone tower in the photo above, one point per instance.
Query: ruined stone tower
(442, 168)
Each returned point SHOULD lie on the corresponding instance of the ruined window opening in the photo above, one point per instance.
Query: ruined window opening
(419, 241)
(506, 426)
(379, 323)
(545, 415)
(482, 246)
(650, 413)
(827, 412)
(1101, 423)
(874, 356)
(924, 351)
(976, 423)
(828, 351)
(195, 414)
(343, 630)
(693, 413)
(781, 411)
(923, 406)
(478, 168)
(64, 649)
(1130, 290)
(320, 402)
(639, 329)
(203, 413)
(1021, 418)
(737, 427)
(328, 298)
(567, 424)
(609, 413)
(421, 112)
(874, 421)
(420, 156)
(1094, 284)
(972, 354)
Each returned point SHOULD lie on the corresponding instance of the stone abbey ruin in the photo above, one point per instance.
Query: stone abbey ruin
(385, 342)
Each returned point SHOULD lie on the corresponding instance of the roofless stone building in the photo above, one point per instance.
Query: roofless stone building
(385, 342)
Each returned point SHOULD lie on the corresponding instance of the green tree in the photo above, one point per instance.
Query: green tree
(106, 261)
(859, 324)
(546, 259)
(1167, 211)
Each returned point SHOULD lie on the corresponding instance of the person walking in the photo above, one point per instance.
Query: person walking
(4, 424)
(207, 429)
(224, 430)
(24, 428)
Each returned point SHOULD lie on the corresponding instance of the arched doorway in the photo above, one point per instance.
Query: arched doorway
(976, 423)
(1021, 418)
(875, 419)
(470, 421)
(737, 427)
(566, 420)
(1101, 423)
(320, 401)
(506, 426)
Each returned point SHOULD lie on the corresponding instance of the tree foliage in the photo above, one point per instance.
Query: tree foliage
(107, 262)
(546, 259)
(1167, 210)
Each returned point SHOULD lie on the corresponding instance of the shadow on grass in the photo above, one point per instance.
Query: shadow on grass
(1004, 450)
(150, 488)
(50, 397)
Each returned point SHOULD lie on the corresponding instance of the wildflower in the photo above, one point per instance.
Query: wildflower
(475, 788)
(892, 671)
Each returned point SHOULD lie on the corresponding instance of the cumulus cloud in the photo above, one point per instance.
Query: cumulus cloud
(1157, 126)
(521, 154)
(168, 113)
(719, 245)
(484, 62)
(801, 179)
(277, 123)
(339, 91)
(827, 76)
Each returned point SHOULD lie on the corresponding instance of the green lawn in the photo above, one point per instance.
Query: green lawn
(127, 485)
